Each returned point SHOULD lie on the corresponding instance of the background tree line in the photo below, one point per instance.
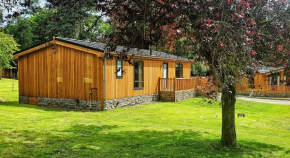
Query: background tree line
(39, 22)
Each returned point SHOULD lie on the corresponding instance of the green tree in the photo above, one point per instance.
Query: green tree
(72, 17)
(43, 29)
(44, 24)
(229, 35)
(7, 47)
(199, 69)
(95, 32)
(22, 31)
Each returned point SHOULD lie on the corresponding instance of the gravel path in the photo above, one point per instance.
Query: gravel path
(266, 100)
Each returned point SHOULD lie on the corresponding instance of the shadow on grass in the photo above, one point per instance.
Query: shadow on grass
(37, 107)
(113, 141)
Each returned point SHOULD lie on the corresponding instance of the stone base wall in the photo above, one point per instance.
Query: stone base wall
(23, 100)
(167, 96)
(186, 94)
(178, 95)
(256, 94)
(67, 104)
(130, 101)
(70, 104)
(84, 105)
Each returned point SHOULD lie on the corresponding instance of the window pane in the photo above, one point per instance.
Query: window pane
(179, 70)
(274, 79)
(119, 68)
(140, 71)
(138, 74)
(136, 85)
(165, 70)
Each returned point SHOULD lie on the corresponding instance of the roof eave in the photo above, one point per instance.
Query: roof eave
(31, 49)
(59, 42)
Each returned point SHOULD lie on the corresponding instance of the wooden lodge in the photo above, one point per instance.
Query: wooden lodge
(268, 81)
(8, 73)
(75, 74)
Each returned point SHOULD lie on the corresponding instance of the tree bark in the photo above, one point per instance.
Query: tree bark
(228, 100)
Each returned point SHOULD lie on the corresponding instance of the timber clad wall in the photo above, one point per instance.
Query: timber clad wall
(263, 78)
(69, 73)
(124, 87)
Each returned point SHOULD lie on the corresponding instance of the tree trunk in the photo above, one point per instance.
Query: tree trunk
(78, 28)
(0, 71)
(228, 100)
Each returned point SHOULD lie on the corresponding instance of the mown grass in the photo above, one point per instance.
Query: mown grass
(190, 128)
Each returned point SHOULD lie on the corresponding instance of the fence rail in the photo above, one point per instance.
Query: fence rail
(273, 89)
(185, 83)
(167, 84)
(204, 85)
(178, 84)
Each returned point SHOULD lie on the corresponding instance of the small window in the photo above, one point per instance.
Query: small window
(138, 75)
(165, 70)
(274, 79)
(179, 70)
(119, 70)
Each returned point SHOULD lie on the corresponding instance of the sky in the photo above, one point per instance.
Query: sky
(42, 4)
(5, 13)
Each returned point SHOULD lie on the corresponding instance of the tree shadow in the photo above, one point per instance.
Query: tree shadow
(37, 107)
(16, 104)
(115, 141)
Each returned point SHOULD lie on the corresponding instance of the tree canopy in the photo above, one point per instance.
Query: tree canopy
(69, 19)
(232, 36)
(7, 47)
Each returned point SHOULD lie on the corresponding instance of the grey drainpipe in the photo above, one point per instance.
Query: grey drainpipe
(105, 83)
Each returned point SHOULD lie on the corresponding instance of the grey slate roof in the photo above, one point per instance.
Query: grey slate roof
(92, 45)
(138, 52)
(264, 70)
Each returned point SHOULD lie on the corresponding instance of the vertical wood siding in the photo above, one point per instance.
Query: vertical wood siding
(69, 73)
(153, 69)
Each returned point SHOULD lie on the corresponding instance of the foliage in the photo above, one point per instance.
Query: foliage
(7, 47)
(199, 69)
(1, 16)
(221, 32)
(22, 31)
(77, 19)
(16, 8)
(95, 32)
(32, 25)
(181, 129)
(43, 25)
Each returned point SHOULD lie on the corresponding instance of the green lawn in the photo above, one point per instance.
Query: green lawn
(190, 128)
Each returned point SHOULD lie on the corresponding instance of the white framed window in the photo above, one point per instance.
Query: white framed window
(138, 74)
(119, 68)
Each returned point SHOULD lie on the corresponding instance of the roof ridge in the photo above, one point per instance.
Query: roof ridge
(101, 47)
(137, 51)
